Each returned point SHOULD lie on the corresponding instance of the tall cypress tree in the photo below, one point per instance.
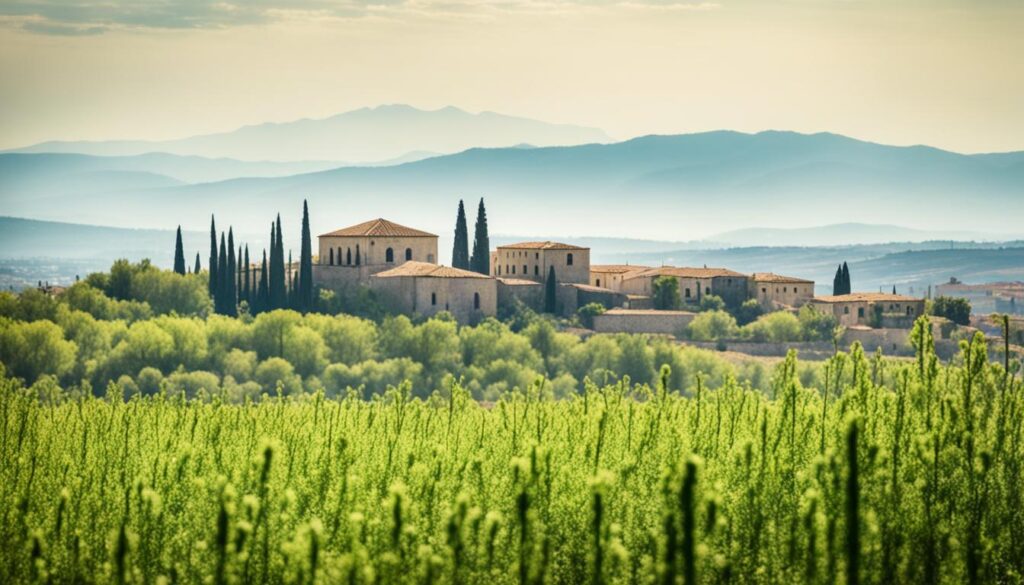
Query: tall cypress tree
(290, 282)
(179, 254)
(894, 289)
(247, 288)
(197, 268)
(847, 287)
(213, 259)
(550, 291)
(220, 299)
(239, 282)
(481, 260)
(837, 281)
(460, 251)
(278, 298)
(263, 294)
(230, 284)
(306, 264)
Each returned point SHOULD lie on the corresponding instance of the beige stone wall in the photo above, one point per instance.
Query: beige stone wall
(609, 280)
(533, 264)
(530, 295)
(373, 250)
(427, 296)
(852, 313)
(656, 322)
(691, 290)
(772, 294)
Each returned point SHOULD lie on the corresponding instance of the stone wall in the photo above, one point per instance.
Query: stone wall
(468, 299)
(531, 295)
(373, 250)
(643, 321)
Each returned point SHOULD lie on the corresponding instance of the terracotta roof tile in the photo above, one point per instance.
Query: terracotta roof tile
(428, 270)
(518, 282)
(617, 268)
(379, 228)
(686, 272)
(621, 311)
(548, 245)
(865, 297)
(772, 277)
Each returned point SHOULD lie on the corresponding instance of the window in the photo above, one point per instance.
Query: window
(910, 310)
(359, 259)
(433, 298)
(498, 269)
(598, 282)
(389, 255)
(526, 269)
(568, 259)
(430, 258)
(860, 312)
(785, 289)
(846, 310)
(332, 256)
(764, 290)
(349, 258)
(408, 254)
(536, 255)
(707, 290)
(687, 293)
(476, 300)
(513, 269)
(536, 270)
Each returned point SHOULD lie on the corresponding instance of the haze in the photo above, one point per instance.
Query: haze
(944, 73)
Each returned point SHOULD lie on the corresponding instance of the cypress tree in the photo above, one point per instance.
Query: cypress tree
(197, 268)
(263, 294)
(549, 291)
(837, 281)
(291, 282)
(894, 289)
(460, 251)
(179, 254)
(306, 264)
(213, 259)
(278, 293)
(230, 283)
(221, 295)
(847, 288)
(247, 289)
(239, 283)
(481, 259)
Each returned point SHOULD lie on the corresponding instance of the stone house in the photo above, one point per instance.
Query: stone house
(871, 309)
(774, 291)
(610, 276)
(694, 283)
(351, 255)
(422, 288)
(532, 261)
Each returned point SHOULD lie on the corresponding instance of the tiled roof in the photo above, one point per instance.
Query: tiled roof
(621, 311)
(589, 288)
(771, 277)
(866, 297)
(617, 268)
(380, 228)
(428, 270)
(518, 282)
(542, 246)
(686, 272)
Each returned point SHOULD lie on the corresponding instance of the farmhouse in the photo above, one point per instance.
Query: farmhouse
(610, 276)
(351, 255)
(774, 291)
(872, 309)
(694, 283)
(423, 288)
(533, 260)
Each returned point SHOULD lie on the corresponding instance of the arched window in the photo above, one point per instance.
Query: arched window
(536, 270)
(359, 259)
(348, 258)
(332, 256)
(599, 282)
(476, 300)
(513, 269)
(339, 255)
(408, 254)
(497, 269)
(389, 255)
(526, 269)
(568, 259)
(433, 298)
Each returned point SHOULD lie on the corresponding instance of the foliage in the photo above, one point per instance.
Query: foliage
(777, 327)
(665, 293)
(480, 261)
(551, 291)
(587, 313)
(711, 303)
(816, 325)
(890, 472)
(460, 247)
(748, 312)
(956, 309)
(712, 325)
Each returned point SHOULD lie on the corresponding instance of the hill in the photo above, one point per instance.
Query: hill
(364, 135)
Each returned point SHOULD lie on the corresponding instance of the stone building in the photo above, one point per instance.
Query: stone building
(528, 292)
(871, 309)
(423, 288)
(610, 276)
(775, 291)
(532, 260)
(351, 255)
(694, 283)
(992, 297)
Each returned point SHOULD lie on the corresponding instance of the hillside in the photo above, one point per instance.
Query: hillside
(364, 135)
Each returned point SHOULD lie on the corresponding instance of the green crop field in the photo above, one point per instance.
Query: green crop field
(891, 472)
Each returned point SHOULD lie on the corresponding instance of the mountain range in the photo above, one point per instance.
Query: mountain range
(363, 136)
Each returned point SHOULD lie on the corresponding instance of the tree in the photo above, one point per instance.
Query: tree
(198, 267)
(665, 290)
(894, 289)
(481, 260)
(956, 309)
(213, 259)
(305, 303)
(247, 288)
(230, 283)
(847, 288)
(278, 294)
(263, 291)
(550, 295)
(748, 312)
(179, 254)
(587, 313)
(460, 251)
(713, 325)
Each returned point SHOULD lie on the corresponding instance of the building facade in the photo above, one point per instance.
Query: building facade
(871, 309)
(351, 255)
(694, 283)
(774, 291)
(610, 276)
(422, 288)
(533, 261)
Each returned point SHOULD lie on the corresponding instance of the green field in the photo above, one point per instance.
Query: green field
(905, 473)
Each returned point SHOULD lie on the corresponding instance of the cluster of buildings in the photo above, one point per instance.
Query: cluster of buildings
(400, 264)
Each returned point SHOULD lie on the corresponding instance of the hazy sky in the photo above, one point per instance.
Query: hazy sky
(941, 72)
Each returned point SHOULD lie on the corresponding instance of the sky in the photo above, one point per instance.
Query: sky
(947, 73)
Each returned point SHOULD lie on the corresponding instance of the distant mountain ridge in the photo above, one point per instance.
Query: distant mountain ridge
(366, 135)
(843, 234)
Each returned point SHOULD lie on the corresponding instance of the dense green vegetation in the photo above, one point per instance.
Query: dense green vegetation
(884, 472)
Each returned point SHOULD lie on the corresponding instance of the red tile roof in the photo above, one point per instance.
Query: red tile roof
(617, 268)
(428, 270)
(686, 272)
(379, 228)
(771, 277)
(542, 246)
(866, 297)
